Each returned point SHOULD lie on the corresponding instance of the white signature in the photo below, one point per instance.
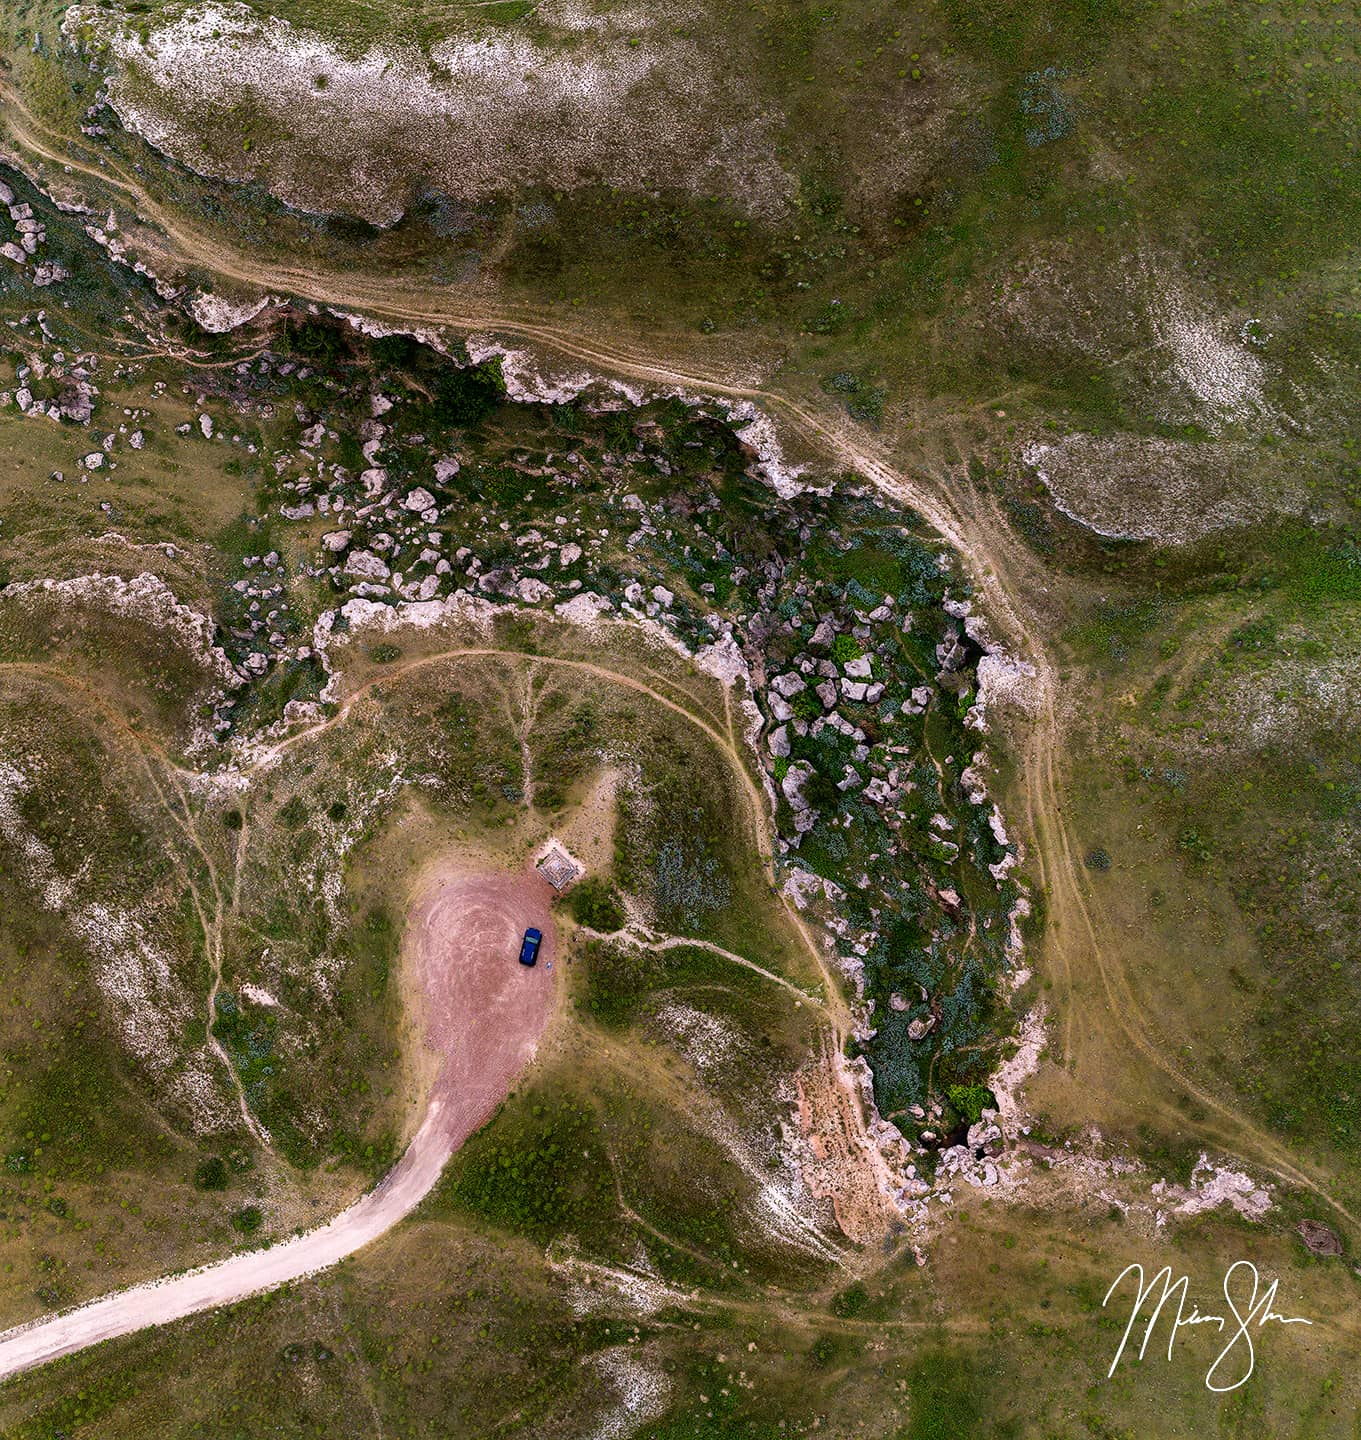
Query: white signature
(1252, 1313)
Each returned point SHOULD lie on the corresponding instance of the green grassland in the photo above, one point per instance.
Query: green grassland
(286, 885)
(1223, 793)
(984, 210)
(993, 210)
(98, 1131)
(316, 1066)
(448, 1329)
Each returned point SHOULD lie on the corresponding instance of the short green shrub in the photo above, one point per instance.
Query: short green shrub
(806, 705)
(247, 1219)
(595, 902)
(971, 1101)
(211, 1174)
(851, 1301)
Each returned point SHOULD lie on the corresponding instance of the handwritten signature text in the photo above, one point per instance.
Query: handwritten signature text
(1250, 1312)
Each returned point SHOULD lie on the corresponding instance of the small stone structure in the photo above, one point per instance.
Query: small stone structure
(558, 867)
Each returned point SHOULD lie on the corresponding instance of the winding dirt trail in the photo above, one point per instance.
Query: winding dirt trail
(1010, 586)
(485, 1016)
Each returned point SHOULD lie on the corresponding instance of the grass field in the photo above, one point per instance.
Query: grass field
(1001, 211)
(1002, 1335)
(1079, 275)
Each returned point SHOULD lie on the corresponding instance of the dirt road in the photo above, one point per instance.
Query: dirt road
(1008, 580)
(485, 1016)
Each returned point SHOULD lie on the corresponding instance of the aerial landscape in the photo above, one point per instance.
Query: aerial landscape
(679, 695)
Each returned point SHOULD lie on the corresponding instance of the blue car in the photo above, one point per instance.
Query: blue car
(529, 947)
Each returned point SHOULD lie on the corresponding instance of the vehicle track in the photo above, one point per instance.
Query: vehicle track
(485, 1015)
(1006, 578)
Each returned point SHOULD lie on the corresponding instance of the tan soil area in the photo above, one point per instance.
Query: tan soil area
(485, 1012)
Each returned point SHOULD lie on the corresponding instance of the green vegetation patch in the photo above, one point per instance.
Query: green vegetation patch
(595, 902)
(539, 1168)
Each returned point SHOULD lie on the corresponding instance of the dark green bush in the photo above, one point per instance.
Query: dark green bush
(595, 903)
(211, 1174)
(294, 814)
(247, 1219)
(851, 1301)
(463, 397)
(820, 791)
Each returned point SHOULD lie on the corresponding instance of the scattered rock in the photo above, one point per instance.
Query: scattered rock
(365, 565)
(532, 591)
(1319, 1239)
(793, 783)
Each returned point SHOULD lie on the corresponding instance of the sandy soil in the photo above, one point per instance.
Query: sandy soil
(484, 1012)
(485, 1015)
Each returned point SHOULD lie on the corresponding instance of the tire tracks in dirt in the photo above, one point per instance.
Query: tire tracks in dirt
(486, 1014)
(947, 501)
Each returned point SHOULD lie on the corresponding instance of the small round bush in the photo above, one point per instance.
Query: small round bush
(851, 1301)
(596, 903)
(1098, 859)
(247, 1219)
(211, 1174)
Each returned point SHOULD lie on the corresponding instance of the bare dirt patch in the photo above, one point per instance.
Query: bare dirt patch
(1319, 1239)
(589, 832)
(485, 1012)
(839, 1162)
